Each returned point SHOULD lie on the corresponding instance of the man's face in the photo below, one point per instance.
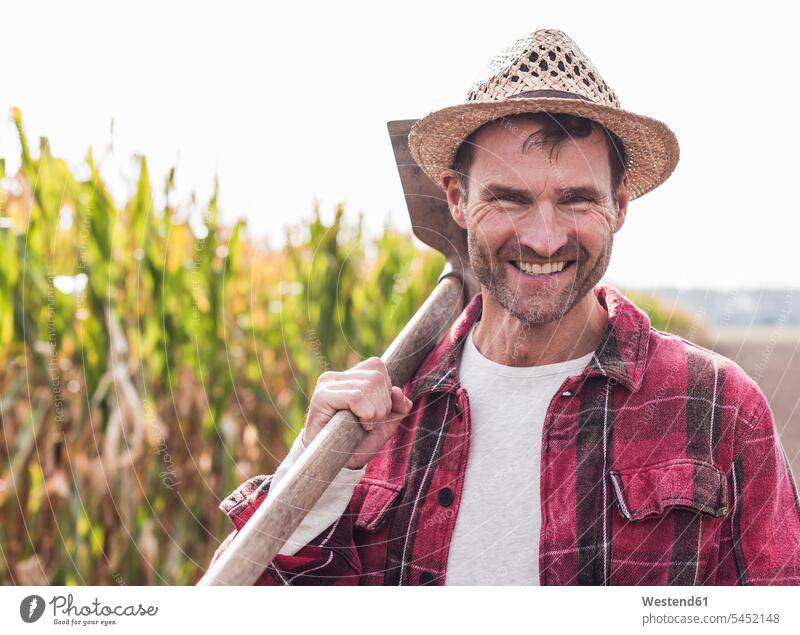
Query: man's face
(540, 232)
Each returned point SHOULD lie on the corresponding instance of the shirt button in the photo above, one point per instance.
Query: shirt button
(446, 497)
(426, 577)
(566, 393)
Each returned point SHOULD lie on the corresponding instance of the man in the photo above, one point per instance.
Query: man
(553, 436)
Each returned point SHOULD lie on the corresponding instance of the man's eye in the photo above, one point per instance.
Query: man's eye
(579, 199)
(507, 197)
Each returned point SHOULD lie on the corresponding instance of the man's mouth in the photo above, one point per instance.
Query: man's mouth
(545, 269)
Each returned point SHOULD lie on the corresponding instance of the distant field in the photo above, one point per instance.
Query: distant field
(771, 356)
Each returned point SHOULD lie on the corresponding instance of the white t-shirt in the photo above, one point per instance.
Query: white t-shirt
(496, 535)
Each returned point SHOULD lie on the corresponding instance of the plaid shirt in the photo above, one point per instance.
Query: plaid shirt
(660, 465)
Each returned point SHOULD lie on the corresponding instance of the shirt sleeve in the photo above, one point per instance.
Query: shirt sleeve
(330, 506)
(764, 528)
(330, 556)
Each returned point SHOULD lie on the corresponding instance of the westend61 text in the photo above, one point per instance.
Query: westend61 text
(695, 600)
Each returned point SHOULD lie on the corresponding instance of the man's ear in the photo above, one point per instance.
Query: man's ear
(622, 203)
(448, 181)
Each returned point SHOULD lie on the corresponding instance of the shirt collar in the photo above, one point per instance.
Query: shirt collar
(621, 355)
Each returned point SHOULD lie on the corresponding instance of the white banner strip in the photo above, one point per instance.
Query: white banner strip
(331, 610)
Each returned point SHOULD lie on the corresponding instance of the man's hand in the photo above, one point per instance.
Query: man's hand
(367, 392)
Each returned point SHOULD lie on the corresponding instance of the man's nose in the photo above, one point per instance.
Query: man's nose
(543, 230)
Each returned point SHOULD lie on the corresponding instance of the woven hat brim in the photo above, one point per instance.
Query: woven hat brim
(652, 147)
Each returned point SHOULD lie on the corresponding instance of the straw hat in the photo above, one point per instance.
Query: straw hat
(546, 72)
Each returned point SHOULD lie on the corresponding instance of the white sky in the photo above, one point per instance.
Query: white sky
(289, 105)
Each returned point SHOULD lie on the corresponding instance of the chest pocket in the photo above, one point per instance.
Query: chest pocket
(650, 490)
(374, 500)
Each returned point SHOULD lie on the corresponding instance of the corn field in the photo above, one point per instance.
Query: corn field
(149, 364)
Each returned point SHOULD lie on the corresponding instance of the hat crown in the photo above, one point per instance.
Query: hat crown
(546, 59)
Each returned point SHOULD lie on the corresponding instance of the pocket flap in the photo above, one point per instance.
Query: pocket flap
(650, 489)
(373, 499)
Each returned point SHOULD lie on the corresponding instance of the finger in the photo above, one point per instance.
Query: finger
(363, 406)
(376, 365)
(377, 395)
(326, 402)
(331, 377)
(370, 362)
(328, 376)
(367, 380)
(381, 397)
(400, 403)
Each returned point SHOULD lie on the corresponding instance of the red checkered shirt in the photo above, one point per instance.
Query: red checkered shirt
(660, 465)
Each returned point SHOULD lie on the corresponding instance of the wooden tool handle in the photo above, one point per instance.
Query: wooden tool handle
(265, 533)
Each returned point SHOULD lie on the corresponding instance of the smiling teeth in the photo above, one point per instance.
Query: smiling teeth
(548, 267)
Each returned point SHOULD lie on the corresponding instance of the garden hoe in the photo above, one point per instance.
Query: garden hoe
(274, 521)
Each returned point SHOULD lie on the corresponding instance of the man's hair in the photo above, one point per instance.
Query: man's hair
(556, 128)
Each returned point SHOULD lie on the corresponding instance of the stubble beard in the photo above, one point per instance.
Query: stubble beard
(539, 307)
